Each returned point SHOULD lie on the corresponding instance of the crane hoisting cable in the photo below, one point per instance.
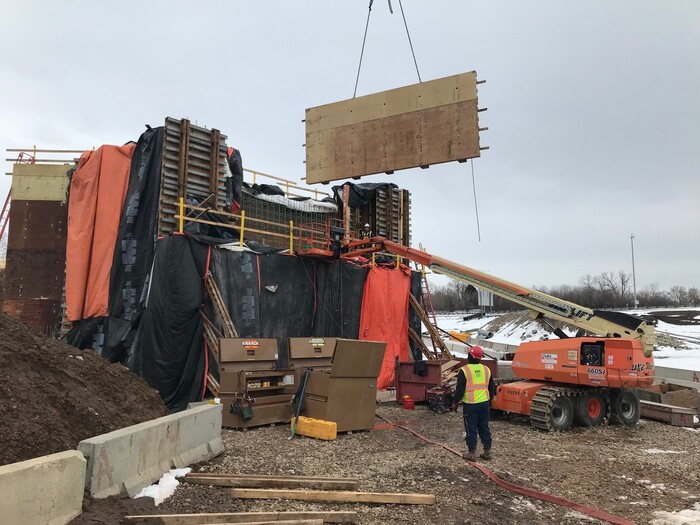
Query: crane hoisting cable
(364, 41)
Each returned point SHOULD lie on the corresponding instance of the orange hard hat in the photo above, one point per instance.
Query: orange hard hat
(476, 352)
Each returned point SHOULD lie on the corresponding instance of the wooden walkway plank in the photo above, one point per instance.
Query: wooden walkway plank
(253, 481)
(241, 517)
(335, 495)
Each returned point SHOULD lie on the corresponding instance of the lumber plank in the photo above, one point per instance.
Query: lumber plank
(241, 517)
(278, 522)
(419, 341)
(449, 365)
(254, 481)
(335, 495)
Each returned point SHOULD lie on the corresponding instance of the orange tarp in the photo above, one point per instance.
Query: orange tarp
(384, 316)
(97, 191)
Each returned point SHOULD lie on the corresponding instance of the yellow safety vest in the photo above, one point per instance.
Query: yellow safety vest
(477, 389)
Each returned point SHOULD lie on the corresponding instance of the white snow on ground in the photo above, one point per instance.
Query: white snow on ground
(687, 358)
(672, 358)
(658, 451)
(165, 487)
(682, 517)
(455, 321)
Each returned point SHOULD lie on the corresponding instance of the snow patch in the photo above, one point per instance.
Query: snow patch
(659, 451)
(682, 517)
(165, 487)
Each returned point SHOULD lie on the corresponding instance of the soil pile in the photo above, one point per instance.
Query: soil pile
(52, 395)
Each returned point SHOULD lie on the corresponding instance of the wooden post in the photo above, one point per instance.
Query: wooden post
(242, 227)
(182, 214)
(346, 213)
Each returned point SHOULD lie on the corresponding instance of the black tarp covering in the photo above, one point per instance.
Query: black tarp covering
(360, 194)
(234, 183)
(339, 288)
(87, 333)
(272, 296)
(133, 252)
(413, 319)
(168, 350)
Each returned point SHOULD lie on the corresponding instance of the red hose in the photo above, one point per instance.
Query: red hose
(595, 513)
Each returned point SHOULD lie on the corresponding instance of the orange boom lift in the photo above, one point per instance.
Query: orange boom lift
(584, 380)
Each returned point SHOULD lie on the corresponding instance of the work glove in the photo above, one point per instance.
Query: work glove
(454, 406)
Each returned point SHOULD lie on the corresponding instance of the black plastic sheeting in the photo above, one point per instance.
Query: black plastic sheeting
(234, 183)
(413, 319)
(168, 350)
(360, 194)
(277, 296)
(135, 246)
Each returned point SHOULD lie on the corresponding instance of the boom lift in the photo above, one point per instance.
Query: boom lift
(583, 379)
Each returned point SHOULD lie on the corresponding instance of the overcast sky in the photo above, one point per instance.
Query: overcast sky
(593, 109)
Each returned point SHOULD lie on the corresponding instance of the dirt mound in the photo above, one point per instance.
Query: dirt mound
(52, 395)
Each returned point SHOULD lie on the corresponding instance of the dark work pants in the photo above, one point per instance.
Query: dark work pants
(476, 421)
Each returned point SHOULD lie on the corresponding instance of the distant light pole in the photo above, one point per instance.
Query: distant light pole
(634, 278)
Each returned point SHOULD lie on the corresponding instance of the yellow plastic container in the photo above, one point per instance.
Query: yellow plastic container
(461, 336)
(317, 428)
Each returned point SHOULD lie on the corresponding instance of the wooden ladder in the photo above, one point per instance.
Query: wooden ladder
(426, 298)
(211, 333)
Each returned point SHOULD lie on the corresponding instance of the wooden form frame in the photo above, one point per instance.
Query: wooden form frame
(417, 125)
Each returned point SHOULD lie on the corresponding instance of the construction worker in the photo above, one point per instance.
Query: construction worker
(365, 232)
(475, 389)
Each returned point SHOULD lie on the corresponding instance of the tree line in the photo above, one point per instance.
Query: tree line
(606, 290)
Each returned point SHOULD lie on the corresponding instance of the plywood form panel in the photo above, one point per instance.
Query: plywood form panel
(419, 138)
(407, 99)
(39, 313)
(34, 274)
(41, 170)
(39, 188)
(36, 260)
(37, 225)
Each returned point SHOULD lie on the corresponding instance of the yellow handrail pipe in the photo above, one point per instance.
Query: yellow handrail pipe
(242, 228)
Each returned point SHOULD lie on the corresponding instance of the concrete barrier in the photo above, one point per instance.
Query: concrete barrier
(126, 460)
(46, 490)
(677, 376)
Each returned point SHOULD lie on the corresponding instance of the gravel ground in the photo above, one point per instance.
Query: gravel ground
(612, 468)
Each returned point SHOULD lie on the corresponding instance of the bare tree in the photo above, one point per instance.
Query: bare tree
(679, 295)
(693, 296)
(624, 280)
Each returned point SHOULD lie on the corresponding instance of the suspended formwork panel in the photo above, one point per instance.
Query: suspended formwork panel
(417, 125)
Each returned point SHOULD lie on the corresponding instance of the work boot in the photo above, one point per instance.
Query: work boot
(470, 455)
(486, 454)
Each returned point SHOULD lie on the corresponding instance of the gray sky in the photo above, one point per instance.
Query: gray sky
(594, 109)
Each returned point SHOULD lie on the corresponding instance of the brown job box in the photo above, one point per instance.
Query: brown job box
(266, 410)
(347, 393)
(311, 351)
(240, 381)
(247, 354)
